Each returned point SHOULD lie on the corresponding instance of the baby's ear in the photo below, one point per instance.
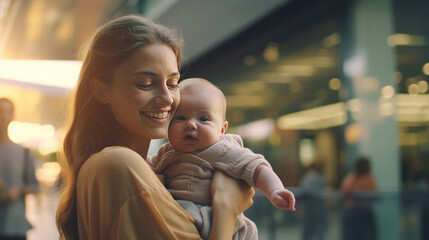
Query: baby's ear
(224, 127)
(100, 90)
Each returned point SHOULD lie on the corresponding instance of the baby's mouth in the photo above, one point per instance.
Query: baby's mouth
(157, 115)
(189, 138)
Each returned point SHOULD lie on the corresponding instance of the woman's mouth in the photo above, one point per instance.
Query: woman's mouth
(157, 115)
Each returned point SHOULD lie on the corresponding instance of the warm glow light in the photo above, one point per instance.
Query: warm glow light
(62, 74)
(412, 108)
(306, 151)
(387, 91)
(334, 84)
(401, 39)
(48, 173)
(36, 136)
(271, 52)
(297, 70)
(21, 132)
(257, 130)
(353, 133)
(322, 62)
(423, 86)
(407, 109)
(316, 118)
(426, 69)
(49, 146)
(413, 89)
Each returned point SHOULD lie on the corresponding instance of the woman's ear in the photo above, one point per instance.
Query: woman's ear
(100, 91)
(224, 127)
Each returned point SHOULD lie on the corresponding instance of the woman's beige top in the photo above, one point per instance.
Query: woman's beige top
(120, 197)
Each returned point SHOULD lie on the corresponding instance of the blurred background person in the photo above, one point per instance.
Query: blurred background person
(315, 213)
(358, 217)
(17, 177)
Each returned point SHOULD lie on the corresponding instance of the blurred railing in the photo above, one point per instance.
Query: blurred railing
(327, 207)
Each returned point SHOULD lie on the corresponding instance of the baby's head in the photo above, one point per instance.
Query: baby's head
(199, 120)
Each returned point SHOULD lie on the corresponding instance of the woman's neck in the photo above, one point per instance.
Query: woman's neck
(141, 147)
(142, 151)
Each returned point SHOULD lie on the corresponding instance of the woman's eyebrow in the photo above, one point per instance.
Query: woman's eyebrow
(149, 73)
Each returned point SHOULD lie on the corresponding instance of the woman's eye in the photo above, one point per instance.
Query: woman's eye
(204, 119)
(144, 85)
(173, 83)
(173, 86)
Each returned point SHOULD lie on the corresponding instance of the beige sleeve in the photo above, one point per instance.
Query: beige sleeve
(120, 197)
(229, 155)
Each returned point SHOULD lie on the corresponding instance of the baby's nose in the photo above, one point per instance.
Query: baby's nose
(190, 124)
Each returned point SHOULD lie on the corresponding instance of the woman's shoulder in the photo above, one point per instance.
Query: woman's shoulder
(114, 152)
(115, 158)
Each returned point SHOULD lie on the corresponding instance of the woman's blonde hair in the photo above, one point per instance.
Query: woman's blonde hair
(92, 125)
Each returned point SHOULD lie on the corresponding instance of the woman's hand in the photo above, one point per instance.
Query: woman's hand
(230, 198)
(231, 193)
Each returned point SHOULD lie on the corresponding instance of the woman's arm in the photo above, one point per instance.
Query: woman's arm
(230, 198)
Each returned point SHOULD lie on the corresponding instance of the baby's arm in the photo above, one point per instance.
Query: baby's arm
(272, 187)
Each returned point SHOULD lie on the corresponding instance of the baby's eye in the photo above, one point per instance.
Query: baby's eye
(180, 118)
(204, 119)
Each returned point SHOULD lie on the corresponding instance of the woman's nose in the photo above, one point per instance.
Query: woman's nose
(164, 96)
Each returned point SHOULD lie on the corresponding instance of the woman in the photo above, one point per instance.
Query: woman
(126, 96)
(358, 217)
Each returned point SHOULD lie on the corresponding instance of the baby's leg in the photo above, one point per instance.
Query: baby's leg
(245, 229)
(202, 215)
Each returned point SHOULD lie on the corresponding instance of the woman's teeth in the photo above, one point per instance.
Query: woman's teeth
(160, 115)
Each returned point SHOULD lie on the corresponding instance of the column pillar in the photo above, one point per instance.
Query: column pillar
(372, 130)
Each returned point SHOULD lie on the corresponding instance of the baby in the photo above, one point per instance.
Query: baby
(198, 146)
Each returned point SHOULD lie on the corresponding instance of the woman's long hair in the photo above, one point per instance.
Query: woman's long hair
(92, 125)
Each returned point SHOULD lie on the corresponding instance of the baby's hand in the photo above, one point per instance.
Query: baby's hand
(283, 199)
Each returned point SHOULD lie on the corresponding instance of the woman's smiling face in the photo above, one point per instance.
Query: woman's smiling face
(144, 94)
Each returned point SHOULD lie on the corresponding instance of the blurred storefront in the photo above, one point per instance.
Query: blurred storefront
(305, 81)
(330, 81)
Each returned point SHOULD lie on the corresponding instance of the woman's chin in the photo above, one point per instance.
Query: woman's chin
(157, 134)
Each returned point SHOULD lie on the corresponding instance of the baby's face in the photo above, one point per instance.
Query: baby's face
(198, 122)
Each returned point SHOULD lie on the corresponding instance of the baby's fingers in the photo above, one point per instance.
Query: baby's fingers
(289, 198)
